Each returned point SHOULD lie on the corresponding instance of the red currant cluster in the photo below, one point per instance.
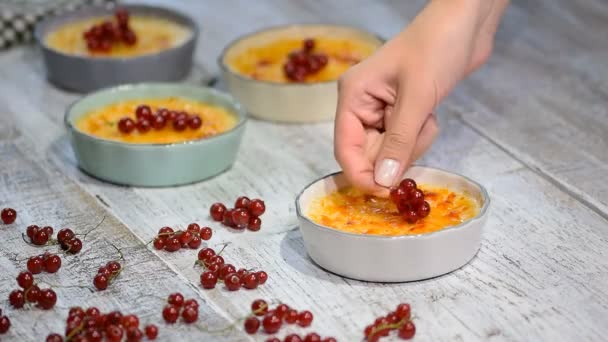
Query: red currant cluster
(44, 262)
(273, 320)
(101, 37)
(5, 323)
(304, 62)
(66, 238)
(410, 201)
(31, 293)
(399, 320)
(8, 215)
(217, 269)
(172, 241)
(92, 325)
(246, 213)
(177, 304)
(106, 274)
(145, 120)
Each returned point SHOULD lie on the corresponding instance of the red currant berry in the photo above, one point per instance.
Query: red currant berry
(205, 254)
(206, 233)
(48, 230)
(101, 282)
(65, 234)
(410, 216)
(190, 314)
(250, 281)
(126, 125)
(25, 279)
(163, 112)
(408, 185)
(114, 333)
(312, 337)
(40, 238)
(305, 318)
(257, 207)
(242, 272)
(271, 323)
(35, 264)
(195, 122)
(194, 228)
(214, 268)
(92, 312)
(47, 299)
(262, 277)
(208, 280)
(159, 243)
(226, 270)
(195, 242)
(291, 316)
(179, 125)
(113, 266)
(143, 125)
(54, 338)
(308, 44)
(191, 302)
(398, 194)
(172, 244)
(185, 237)
(240, 217)
(255, 223)
(392, 318)
(130, 321)
(423, 209)
(103, 270)
(31, 231)
(329, 339)
(158, 122)
(252, 325)
(407, 331)
(114, 317)
(165, 231)
(281, 310)
(403, 311)
(259, 307)
(151, 331)
(5, 324)
(292, 338)
(8, 215)
(227, 220)
(170, 313)
(232, 282)
(52, 263)
(416, 197)
(216, 259)
(32, 294)
(134, 334)
(16, 299)
(176, 299)
(242, 202)
(75, 245)
(143, 112)
(217, 211)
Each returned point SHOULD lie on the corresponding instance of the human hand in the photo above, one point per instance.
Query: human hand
(384, 119)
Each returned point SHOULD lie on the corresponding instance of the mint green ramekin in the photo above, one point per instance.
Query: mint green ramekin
(155, 165)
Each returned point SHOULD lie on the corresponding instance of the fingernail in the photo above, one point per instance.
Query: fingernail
(387, 172)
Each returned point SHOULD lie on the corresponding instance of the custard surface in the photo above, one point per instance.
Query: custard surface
(103, 122)
(265, 62)
(350, 210)
(154, 34)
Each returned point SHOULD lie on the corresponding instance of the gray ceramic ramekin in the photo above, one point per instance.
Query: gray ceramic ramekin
(84, 73)
(155, 164)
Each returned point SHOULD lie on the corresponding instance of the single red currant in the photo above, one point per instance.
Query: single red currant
(407, 331)
(65, 234)
(208, 280)
(31, 230)
(305, 318)
(194, 228)
(25, 279)
(151, 331)
(172, 244)
(191, 302)
(206, 233)
(195, 122)
(75, 245)
(48, 230)
(190, 314)
(217, 211)
(101, 282)
(232, 282)
(126, 125)
(257, 207)
(252, 325)
(242, 202)
(281, 310)
(54, 338)
(32, 294)
(170, 313)
(176, 299)
(114, 333)
(255, 223)
(130, 321)
(408, 185)
(8, 215)
(403, 311)
(143, 112)
(423, 209)
(271, 323)
(205, 254)
(40, 238)
(291, 316)
(165, 231)
(262, 277)
(134, 334)
(292, 338)
(5, 324)
(250, 281)
(159, 243)
(312, 337)
(35, 264)
(240, 217)
(195, 242)
(52, 263)
(259, 307)
(47, 299)
(16, 299)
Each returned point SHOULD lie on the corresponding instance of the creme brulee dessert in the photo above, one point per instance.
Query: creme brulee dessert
(314, 59)
(123, 36)
(157, 121)
(351, 211)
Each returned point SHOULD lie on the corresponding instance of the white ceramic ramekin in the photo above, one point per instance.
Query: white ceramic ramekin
(398, 258)
(287, 102)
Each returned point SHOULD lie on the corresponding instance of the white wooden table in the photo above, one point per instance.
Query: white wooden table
(532, 126)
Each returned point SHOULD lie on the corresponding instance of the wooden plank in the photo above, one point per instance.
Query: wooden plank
(42, 196)
(543, 96)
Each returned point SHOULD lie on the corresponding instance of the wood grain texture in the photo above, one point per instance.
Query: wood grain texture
(542, 271)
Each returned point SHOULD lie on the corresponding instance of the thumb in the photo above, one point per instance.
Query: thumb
(402, 130)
